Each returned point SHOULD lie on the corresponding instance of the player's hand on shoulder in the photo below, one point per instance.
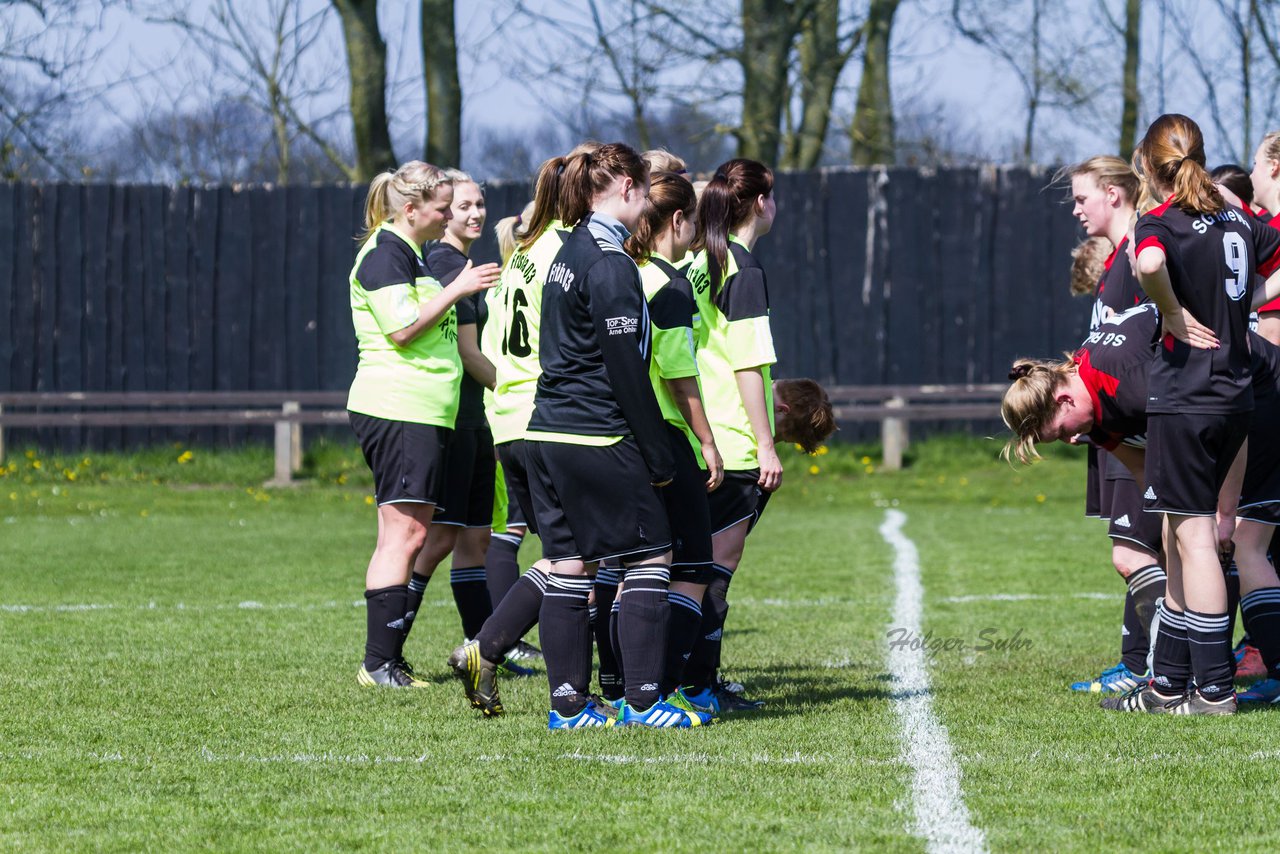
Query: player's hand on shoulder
(474, 279)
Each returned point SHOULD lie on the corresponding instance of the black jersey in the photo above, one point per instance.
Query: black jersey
(1118, 289)
(1211, 259)
(594, 350)
(444, 262)
(1114, 363)
(1265, 360)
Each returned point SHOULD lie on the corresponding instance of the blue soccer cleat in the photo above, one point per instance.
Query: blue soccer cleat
(704, 701)
(661, 715)
(590, 716)
(1266, 691)
(1114, 680)
(507, 667)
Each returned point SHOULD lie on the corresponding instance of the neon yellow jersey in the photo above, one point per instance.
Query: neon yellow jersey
(731, 333)
(418, 382)
(510, 338)
(671, 310)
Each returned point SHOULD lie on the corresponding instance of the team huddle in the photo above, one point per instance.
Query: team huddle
(618, 367)
(1178, 399)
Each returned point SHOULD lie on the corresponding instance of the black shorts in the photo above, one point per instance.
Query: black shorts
(468, 480)
(738, 497)
(408, 460)
(515, 473)
(1260, 494)
(688, 513)
(593, 503)
(1093, 499)
(1128, 522)
(1188, 457)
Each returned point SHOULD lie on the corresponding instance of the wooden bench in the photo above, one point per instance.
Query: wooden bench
(894, 406)
(287, 411)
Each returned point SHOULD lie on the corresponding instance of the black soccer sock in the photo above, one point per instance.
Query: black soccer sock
(642, 630)
(1171, 659)
(413, 603)
(606, 586)
(1231, 574)
(615, 642)
(682, 632)
(471, 595)
(1207, 635)
(501, 567)
(566, 641)
(1260, 611)
(704, 660)
(385, 622)
(514, 616)
(1145, 586)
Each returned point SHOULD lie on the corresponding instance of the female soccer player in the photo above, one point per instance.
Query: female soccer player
(597, 449)
(1196, 259)
(660, 242)
(510, 342)
(462, 527)
(1105, 191)
(735, 355)
(404, 397)
(1265, 179)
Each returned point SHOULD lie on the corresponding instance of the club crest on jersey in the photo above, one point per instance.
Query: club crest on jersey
(561, 275)
(622, 325)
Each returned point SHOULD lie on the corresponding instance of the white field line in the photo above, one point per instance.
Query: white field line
(941, 818)
(1031, 597)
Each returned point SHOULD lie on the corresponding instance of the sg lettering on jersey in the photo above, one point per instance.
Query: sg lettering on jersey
(1106, 339)
(1201, 223)
(560, 275)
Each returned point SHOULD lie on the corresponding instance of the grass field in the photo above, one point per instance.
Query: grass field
(180, 649)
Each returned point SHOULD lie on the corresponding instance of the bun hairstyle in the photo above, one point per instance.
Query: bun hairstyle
(809, 420)
(1236, 179)
(390, 191)
(661, 160)
(1108, 171)
(1031, 403)
(668, 193)
(546, 196)
(1088, 264)
(507, 228)
(727, 202)
(1171, 157)
(588, 173)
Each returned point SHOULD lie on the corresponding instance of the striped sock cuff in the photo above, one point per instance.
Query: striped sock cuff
(1264, 600)
(722, 570)
(467, 574)
(683, 601)
(535, 577)
(1170, 619)
(569, 586)
(1206, 623)
(509, 539)
(608, 577)
(592, 611)
(1145, 577)
(647, 575)
(616, 606)
(418, 583)
(1232, 569)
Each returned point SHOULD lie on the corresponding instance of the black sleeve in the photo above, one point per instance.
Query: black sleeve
(444, 266)
(744, 295)
(621, 321)
(388, 264)
(467, 309)
(672, 306)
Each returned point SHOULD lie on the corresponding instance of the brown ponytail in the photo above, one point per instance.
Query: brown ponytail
(726, 203)
(587, 173)
(1171, 157)
(1031, 403)
(668, 193)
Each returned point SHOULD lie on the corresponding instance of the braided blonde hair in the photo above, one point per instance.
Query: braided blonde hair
(390, 191)
(1031, 403)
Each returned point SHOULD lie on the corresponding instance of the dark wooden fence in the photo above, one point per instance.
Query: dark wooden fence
(876, 276)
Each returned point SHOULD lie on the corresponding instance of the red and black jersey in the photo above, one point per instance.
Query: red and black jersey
(1211, 259)
(1114, 363)
(1118, 289)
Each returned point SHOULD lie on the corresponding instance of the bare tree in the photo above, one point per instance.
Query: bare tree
(367, 67)
(444, 92)
(872, 131)
(825, 46)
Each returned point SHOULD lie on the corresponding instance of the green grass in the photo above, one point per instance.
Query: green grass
(207, 699)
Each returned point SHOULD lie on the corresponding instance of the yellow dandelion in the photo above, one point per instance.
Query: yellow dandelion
(1040, 498)
(822, 451)
(13, 496)
(185, 457)
(866, 461)
(368, 499)
(799, 447)
(814, 469)
(144, 514)
(36, 464)
(31, 455)
(85, 463)
(68, 474)
(342, 478)
(869, 469)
